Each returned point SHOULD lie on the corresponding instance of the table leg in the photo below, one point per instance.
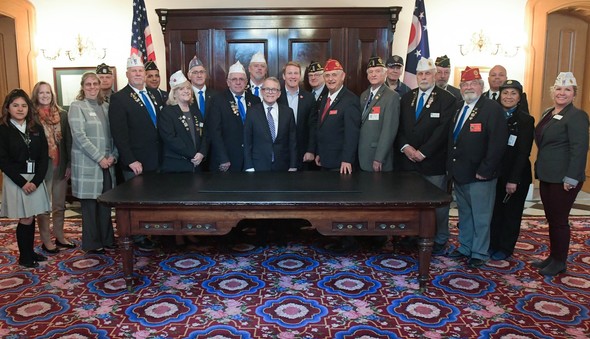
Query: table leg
(127, 255)
(425, 252)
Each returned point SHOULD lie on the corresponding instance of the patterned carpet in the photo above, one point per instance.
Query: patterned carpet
(299, 289)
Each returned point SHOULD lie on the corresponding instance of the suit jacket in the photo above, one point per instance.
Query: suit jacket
(338, 133)
(454, 91)
(379, 125)
(178, 147)
(563, 147)
(516, 166)
(429, 134)
(135, 135)
(162, 96)
(480, 145)
(209, 94)
(89, 147)
(259, 147)
(226, 130)
(307, 120)
(322, 95)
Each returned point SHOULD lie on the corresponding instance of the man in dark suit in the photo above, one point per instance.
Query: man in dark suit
(133, 115)
(426, 114)
(225, 122)
(304, 105)
(443, 72)
(152, 81)
(315, 77)
(339, 123)
(270, 142)
(257, 69)
(496, 78)
(197, 74)
(477, 142)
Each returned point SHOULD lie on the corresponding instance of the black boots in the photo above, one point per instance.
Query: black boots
(25, 238)
(542, 264)
(554, 268)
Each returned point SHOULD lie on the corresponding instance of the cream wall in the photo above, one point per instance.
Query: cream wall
(449, 24)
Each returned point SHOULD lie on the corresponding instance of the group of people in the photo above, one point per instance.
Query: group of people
(477, 143)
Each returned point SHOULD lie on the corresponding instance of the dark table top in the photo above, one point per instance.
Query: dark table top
(314, 188)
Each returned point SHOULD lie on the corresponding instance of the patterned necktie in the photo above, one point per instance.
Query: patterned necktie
(202, 103)
(271, 124)
(256, 91)
(326, 108)
(149, 107)
(369, 101)
(459, 124)
(241, 108)
(420, 105)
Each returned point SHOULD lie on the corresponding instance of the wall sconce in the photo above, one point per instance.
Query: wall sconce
(481, 43)
(83, 47)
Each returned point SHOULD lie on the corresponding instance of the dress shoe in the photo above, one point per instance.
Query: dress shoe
(438, 249)
(96, 251)
(542, 264)
(456, 254)
(112, 247)
(476, 263)
(53, 251)
(64, 245)
(554, 268)
(145, 244)
(31, 264)
(500, 255)
(39, 257)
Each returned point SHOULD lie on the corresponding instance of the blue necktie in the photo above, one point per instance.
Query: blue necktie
(420, 105)
(460, 124)
(149, 107)
(241, 108)
(369, 101)
(256, 92)
(202, 103)
(271, 124)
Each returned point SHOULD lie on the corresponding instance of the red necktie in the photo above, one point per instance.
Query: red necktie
(328, 103)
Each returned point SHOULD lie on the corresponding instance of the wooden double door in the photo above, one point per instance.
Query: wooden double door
(220, 37)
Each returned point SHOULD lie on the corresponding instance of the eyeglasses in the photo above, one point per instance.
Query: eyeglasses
(237, 79)
(315, 74)
(270, 90)
(198, 72)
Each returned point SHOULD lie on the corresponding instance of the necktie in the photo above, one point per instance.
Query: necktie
(459, 124)
(313, 92)
(369, 101)
(326, 108)
(202, 103)
(493, 96)
(256, 91)
(271, 124)
(420, 105)
(149, 107)
(241, 108)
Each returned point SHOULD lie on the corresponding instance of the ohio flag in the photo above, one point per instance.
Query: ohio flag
(417, 45)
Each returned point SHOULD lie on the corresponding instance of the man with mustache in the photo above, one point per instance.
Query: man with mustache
(477, 141)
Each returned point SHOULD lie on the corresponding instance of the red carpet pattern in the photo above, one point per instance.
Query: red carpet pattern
(220, 288)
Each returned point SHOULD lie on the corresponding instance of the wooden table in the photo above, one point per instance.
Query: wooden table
(360, 204)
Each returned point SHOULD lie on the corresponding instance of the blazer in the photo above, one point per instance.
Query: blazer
(563, 147)
(480, 145)
(516, 166)
(178, 147)
(379, 125)
(307, 120)
(454, 91)
(135, 134)
(90, 141)
(429, 134)
(14, 153)
(226, 130)
(259, 148)
(338, 133)
(162, 96)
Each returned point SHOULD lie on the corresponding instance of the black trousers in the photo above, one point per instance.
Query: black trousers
(505, 226)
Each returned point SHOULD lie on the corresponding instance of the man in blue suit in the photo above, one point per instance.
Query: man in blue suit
(270, 141)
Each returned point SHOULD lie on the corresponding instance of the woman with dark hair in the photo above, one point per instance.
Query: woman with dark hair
(59, 140)
(93, 158)
(23, 161)
(562, 139)
(515, 176)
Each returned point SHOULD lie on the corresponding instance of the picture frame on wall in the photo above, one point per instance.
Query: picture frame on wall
(66, 82)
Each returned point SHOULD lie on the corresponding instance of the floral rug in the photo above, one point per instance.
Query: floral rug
(223, 288)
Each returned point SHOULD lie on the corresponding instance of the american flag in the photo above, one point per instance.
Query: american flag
(141, 37)
(418, 44)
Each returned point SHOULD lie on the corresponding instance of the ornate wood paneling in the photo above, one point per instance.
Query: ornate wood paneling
(219, 37)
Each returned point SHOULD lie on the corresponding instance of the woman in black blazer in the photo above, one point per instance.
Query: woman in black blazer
(515, 176)
(562, 139)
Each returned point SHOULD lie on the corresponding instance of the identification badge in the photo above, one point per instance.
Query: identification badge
(476, 127)
(374, 116)
(92, 114)
(30, 166)
(376, 110)
(334, 111)
(511, 140)
(557, 116)
(435, 115)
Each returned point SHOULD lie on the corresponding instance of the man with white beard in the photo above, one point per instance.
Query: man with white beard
(477, 141)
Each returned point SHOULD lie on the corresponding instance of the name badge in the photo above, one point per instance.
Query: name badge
(557, 116)
(376, 110)
(511, 140)
(435, 115)
(30, 166)
(332, 112)
(92, 114)
(374, 116)
(475, 127)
